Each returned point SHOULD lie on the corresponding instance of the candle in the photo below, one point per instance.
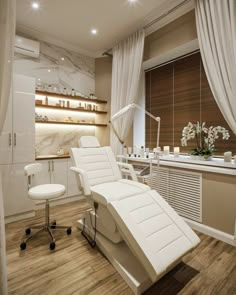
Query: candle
(166, 150)
(227, 156)
(158, 150)
(176, 151)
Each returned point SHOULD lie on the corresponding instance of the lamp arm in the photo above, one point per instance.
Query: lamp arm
(127, 108)
(116, 133)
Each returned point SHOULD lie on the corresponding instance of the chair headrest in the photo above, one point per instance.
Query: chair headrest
(88, 142)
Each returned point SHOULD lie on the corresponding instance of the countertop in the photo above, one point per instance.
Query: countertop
(51, 157)
(216, 165)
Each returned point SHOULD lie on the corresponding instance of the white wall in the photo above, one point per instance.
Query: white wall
(75, 71)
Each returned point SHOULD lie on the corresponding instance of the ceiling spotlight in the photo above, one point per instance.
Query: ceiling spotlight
(62, 58)
(94, 31)
(35, 5)
(49, 70)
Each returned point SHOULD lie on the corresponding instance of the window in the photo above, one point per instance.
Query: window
(178, 92)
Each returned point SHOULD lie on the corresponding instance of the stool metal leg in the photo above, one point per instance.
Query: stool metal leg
(47, 226)
(47, 213)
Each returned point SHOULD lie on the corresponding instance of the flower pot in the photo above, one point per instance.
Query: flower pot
(202, 158)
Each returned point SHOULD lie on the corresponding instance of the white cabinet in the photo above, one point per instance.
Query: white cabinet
(14, 186)
(6, 136)
(72, 185)
(17, 142)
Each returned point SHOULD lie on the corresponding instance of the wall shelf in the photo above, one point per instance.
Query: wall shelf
(80, 98)
(70, 123)
(69, 109)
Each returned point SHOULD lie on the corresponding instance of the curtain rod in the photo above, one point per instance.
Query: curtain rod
(172, 60)
(165, 14)
(107, 53)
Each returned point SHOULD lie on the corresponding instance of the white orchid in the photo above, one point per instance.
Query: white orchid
(205, 137)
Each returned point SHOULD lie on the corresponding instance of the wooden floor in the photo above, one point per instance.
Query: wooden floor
(75, 268)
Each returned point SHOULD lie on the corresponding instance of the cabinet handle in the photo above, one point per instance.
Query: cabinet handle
(14, 139)
(49, 166)
(9, 139)
(52, 165)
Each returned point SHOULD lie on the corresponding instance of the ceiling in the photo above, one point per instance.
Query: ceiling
(68, 22)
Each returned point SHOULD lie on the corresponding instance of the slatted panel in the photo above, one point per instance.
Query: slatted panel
(163, 189)
(185, 193)
(182, 190)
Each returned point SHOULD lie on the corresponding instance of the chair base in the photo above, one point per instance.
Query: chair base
(47, 227)
(121, 258)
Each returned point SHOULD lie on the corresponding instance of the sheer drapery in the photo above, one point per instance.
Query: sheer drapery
(7, 35)
(216, 28)
(126, 69)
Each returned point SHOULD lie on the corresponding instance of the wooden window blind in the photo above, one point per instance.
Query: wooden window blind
(179, 92)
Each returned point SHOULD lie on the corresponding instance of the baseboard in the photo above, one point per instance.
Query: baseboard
(212, 232)
(60, 201)
(17, 217)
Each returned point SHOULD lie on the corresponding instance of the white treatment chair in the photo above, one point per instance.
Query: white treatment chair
(135, 228)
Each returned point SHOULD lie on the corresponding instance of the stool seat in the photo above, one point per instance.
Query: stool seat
(46, 191)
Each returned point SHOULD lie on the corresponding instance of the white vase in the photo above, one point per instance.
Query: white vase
(202, 158)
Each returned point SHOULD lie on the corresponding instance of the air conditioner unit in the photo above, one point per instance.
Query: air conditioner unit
(27, 47)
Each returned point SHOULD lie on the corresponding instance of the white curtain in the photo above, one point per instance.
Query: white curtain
(216, 28)
(7, 35)
(126, 69)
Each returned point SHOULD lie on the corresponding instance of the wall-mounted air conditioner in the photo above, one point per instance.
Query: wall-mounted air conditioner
(27, 47)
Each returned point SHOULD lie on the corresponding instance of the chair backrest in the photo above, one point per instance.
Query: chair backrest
(88, 141)
(32, 169)
(99, 162)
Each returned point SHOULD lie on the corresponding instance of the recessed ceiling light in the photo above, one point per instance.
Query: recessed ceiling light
(49, 70)
(132, 1)
(62, 58)
(35, 5)
(94, 31)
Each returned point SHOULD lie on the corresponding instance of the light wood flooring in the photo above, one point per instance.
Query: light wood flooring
(75, 268)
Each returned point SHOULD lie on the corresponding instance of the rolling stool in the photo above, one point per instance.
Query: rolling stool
(43, 192)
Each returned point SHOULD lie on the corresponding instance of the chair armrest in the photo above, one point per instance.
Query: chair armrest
(130, 168)
(84, 179)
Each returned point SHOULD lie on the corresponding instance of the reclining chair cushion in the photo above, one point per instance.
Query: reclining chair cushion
(116, 190)
(157, 235)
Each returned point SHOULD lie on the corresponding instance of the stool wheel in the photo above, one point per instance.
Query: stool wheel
(23, 246)
(54, 224)
(52, 246)
(93, 244)
(28, 231)
(69, 231)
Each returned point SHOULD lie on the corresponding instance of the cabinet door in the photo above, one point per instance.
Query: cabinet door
(23, 120)
(72, 188)
(15, 195)
(59, 173)
(6, 136)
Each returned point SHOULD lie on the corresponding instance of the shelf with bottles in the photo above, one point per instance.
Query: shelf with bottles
(74, 109)
(71, 97)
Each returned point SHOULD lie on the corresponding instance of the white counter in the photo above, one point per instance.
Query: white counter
(215, 165)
